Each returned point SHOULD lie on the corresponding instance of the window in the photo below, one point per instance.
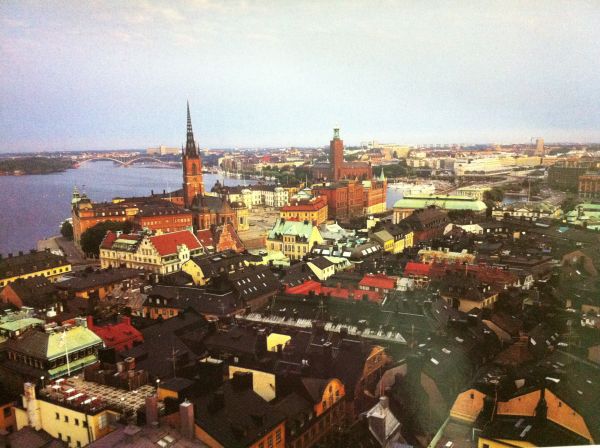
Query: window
(7, 411)
(76, 422)
(66, 419)
(57, 416)
(278, 436)
(270, 441)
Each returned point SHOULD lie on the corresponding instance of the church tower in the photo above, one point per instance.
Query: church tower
(192, 166)
(336, 155)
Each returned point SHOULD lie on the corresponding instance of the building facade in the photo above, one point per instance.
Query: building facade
(34, 264)
(589, 186)
(313, 210)
(294, 238)
(161, 254)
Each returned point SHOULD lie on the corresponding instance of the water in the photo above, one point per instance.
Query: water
(393, 195)
(34, 206)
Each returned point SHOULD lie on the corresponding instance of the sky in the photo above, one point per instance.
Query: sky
(112, 74)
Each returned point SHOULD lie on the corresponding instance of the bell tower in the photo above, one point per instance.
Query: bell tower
(336, 155)
(192, 166)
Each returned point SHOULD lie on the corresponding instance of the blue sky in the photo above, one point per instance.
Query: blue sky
(114, 74)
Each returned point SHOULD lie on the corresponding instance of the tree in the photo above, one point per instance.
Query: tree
(66, 230)
(92, 237)
(569, 204)
(494, 195)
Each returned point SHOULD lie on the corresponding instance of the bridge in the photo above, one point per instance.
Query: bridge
(126, 162)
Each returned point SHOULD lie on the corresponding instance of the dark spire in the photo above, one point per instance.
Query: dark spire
(541, 410)
(190, 145)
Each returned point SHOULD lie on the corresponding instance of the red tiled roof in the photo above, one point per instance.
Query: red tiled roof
(119, 336)
(108, 240)
(167, 243)
(483, 273)
(378, 281)
(413, 268)
(206, 237)
(336, 293)
(312, 206)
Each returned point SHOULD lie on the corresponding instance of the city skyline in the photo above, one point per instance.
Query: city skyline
(109, 76)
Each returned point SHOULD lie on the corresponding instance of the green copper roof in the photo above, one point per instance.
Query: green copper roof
(19, 324)
(73, 339)
(290, 228)
(446, 202)
(73, 365)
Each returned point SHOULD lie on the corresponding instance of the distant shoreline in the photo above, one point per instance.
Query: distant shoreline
(34, 165)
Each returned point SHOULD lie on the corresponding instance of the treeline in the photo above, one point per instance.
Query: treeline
(34, 165)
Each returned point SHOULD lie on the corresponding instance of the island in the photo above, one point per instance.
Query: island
(34, 165)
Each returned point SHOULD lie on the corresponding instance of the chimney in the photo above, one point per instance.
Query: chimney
(261, 341)
(186, 419)
(384, 402)
(241, 381)
(152, 410)
(377, 426)
(130, 363)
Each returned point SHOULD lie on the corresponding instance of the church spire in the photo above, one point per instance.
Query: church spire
(190, 145)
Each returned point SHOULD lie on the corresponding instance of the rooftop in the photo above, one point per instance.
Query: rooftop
(13, 266)
(446, 202)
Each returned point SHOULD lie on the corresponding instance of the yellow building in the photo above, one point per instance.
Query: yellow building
(394, 239)
(321, 267)
(161, 254)
(312, 209)
(385, 239)
(35, 264)
(205, 267)
(72, 420)
(263, 383)
(242, 215)
(294, 238)
(535, 417)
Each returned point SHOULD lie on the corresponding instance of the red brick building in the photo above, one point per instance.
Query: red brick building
(183, 209)
(344, 199)
(337, 169)
(350, 189)
(152, 212)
